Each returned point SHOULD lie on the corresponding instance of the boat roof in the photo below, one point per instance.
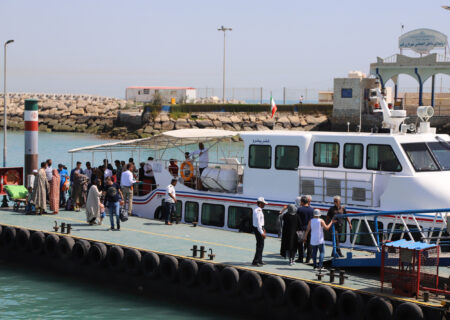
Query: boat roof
(175, 138)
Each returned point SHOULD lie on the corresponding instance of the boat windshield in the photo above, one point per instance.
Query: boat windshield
(420, 157)
(441, 151)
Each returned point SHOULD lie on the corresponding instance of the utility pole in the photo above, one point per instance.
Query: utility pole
(222, 28)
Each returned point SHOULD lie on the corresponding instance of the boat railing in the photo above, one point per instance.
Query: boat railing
(405, 225)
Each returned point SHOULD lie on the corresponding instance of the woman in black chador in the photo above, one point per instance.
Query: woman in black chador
(289, 239)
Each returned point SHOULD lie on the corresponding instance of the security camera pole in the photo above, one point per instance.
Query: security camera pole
(222, 28)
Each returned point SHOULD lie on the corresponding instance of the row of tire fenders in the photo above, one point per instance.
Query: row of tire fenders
(298, 295)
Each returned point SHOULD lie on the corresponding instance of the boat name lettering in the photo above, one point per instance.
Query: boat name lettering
(261, 141)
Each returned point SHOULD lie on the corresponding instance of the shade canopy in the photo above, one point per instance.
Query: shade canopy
(169, 139)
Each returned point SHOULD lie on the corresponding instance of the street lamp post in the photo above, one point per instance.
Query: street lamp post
(4, 105)
(222, 28)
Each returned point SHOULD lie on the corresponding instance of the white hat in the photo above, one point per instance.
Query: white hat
(317, 213)
(261, 199)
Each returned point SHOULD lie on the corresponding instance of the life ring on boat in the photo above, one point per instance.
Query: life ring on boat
(22, 238)
(273, 289)
(208, 277)
(80, 251)
(251, 284)
(189, 176)
(297, 295)
(187, 272)
(150, 264)
(65, 246)
(169, 268)
(11, 177)
(97, 253)
(324, 300)
(133, 260)
(408, 311)
(8, 237)
(51, 244)
(37, 242)
(350, 305)
(229, 281)
(379, 308)
(115, 257)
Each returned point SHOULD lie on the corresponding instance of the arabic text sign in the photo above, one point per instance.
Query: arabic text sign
(422, 40)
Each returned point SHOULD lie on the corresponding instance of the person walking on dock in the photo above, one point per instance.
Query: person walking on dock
(258, 230)
(77, 169)
(306, 213)
(316, 227)
(289, 239)
(170, 201)
(127, 180)
(113, 196)
(93, 203)
(340, 225)
(63, 184)
(54, 191)
(39, 196)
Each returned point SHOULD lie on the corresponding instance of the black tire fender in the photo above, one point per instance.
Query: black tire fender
(350, 305)
(187, 272)
(65, 246)
(169, 268)
(324, 300)
(133, 260)
(208, 277)
(150, 264)
(9, 237)
(408, 311)
(37, 242)
(115, 258)
(229, 280)
(250, 285)
(379, 308)
(298, 295)
(274, 289)
(22, 239)
(51, 244)
(80, 251)
(97, 253)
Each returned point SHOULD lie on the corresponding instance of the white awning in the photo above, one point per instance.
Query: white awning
(164, 140)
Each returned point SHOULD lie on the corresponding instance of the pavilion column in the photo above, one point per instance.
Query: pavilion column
(432, 90)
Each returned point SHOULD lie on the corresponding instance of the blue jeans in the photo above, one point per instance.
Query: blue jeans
(321, 248)
(169, 212)
(114, 209)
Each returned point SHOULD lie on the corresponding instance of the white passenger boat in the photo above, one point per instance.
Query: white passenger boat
(371, 172)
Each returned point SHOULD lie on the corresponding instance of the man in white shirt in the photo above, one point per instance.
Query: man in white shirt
(126, 183)
(203, 158)
(48, 170)
(170, 201)
(258, 230)
(88, 172)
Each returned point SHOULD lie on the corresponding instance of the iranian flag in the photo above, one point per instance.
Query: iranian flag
(274, 106)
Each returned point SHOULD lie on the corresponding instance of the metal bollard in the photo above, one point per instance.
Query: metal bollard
(211, 255)
(342, 277)
(202, 252)
(332, 275)
(319, 276)
(69, 228)
(426, 296)
(194, 251)
(63, 227)
(56, 228)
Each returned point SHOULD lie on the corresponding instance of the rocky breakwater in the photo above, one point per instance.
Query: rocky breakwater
(65, 112)
(127, 124)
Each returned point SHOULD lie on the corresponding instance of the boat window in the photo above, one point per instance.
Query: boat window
(271, 221)
(286, 157)
(353, 155)
(326, 154)
(441, 151)
(420, 157)
(260, 156)
(327, 235)
(381, 157)
(190, 211)
(179, 210)
(240, 218)
(399, 229)
(363, 236)
(213, 215)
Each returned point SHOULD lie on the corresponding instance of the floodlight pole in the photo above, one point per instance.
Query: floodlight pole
(5, 113)
(222, 28)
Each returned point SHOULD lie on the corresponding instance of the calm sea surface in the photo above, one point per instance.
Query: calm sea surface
(28, 294)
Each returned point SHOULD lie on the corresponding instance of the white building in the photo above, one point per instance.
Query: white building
(168, 94)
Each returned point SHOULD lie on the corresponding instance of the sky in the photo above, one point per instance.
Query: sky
(103, 46)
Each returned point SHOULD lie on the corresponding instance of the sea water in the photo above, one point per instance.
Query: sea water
(29, 294)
